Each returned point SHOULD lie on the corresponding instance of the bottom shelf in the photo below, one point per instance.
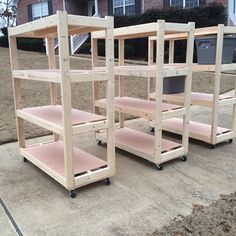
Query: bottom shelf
(197, 130)
(50, 156)
(139, 143)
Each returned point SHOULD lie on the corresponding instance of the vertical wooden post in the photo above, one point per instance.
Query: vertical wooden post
(171, 51)
(150, 62)
(159, 89)
(64, 65)
(215, 104)
(109, 40)
(234, 113)
(17, 90)
(188, 87)
(94, 48)
(52, 65)
(121, 78)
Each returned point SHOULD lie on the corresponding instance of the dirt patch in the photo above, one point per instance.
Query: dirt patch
(219, 218)
(37, 93)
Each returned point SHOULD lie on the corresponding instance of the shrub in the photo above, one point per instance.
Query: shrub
(210, 15)
(36, 45)
(4, 41)
(4, 31)
(29, 44)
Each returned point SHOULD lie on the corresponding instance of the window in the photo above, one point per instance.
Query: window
(124, 7)
(184, 3)
(40, 10)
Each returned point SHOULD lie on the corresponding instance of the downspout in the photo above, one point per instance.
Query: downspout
(96, 7)
(64, 5)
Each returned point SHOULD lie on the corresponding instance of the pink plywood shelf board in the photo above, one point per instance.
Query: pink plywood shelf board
(53, 114)
(194, 127)
(139, 141)
(195, 97)
(52, 155)
(139, 104)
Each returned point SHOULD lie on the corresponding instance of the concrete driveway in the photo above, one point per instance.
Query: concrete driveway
(140, 199)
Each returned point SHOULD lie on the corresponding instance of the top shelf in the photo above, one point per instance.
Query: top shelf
(145, 30)
(47, 27)
(199, 32)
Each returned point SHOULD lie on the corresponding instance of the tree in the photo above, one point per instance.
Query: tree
(7, 13)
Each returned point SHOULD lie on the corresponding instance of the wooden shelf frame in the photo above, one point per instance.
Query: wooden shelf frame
(48, 27)
(146, 108)
(62, 119)
(213, 101)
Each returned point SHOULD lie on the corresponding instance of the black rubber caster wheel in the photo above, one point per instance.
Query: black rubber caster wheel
(159, 167)
(108, 181)
(213, 146)
(25, 160)
(231, 140)
(183, 158)
(99, 142)
(152, 130)
(73, 194)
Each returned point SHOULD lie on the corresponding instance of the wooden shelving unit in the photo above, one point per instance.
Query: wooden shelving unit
(212, 134)
(151, 147)
(68, 165)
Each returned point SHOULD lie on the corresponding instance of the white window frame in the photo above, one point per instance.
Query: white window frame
(184, 3)
(41, 15)
(123, 6)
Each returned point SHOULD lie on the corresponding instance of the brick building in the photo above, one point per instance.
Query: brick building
(29, 10)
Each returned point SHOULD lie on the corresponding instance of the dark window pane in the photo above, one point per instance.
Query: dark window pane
(191, 3)
(177, 3)
(118, 11)
(130, 10)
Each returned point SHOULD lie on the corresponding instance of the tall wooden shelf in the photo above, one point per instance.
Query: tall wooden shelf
(212, 134)
(68, 165)
(154, 148)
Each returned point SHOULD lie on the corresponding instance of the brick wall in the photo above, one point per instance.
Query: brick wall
(102, 8)
(224, 2)
(72, 7)
(152, 4)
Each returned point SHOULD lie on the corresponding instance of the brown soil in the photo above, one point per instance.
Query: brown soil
(217, 219)
(37, 93)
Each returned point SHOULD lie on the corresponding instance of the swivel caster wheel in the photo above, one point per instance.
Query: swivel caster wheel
(159, 167)
(108, 181)
(73, 194)
(213, 146)
(183, 158)
(25, 160)
(99, 142)
(231, 140)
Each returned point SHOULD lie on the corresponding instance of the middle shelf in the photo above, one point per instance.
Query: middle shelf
(50, 117)
(53, 75)
(200, 99)
(142, 108)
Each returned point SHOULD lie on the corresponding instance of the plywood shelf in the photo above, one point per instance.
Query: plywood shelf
(142, 108)
(149, 70)
(200, 99)
(197, 130)
(50, 158)
(141, 144)
(53, 75)
(50, 117)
